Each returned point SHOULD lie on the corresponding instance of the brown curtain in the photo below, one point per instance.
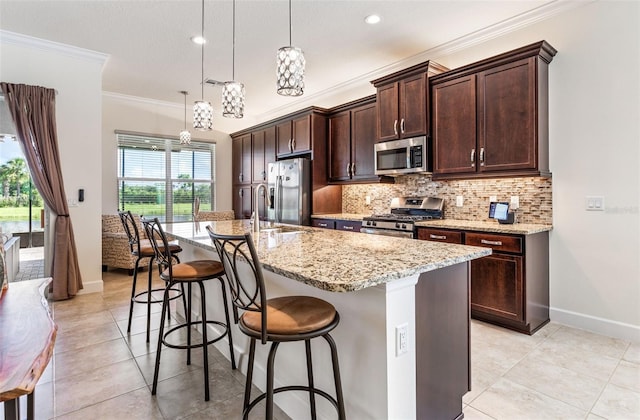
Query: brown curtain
(34, 114)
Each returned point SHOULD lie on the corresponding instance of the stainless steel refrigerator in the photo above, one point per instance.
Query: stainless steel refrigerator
(289, 187)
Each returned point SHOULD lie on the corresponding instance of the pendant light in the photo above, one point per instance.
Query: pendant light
(185, 135)
(232, 91)
(202, 110)
(290, 68)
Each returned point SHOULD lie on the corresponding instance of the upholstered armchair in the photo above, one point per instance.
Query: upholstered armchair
(115, 244)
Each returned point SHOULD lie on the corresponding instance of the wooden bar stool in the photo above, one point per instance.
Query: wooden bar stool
(141, 248)
(187, 273)
(276, 320)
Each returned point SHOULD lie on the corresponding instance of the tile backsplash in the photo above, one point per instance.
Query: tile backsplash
(534, 194)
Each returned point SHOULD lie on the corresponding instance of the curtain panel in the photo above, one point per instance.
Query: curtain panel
(33, 112)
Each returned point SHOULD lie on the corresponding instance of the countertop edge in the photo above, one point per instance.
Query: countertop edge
(493, 227)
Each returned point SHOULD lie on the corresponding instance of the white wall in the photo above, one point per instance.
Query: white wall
(77, 77)
(594, 133)
(153, 117)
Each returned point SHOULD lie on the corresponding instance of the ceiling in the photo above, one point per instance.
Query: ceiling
(151, 55)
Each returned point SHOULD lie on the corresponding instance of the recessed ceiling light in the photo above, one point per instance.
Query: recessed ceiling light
(372, 19)
(198, 40)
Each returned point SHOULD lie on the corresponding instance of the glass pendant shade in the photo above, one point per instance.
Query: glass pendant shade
(290, 71)
(185, 137)
(202, 115)
(233, 100)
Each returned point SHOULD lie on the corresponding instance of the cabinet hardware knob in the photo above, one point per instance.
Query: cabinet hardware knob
(240, 177)
(486, 242)
(322, 224)
(353, 168)
(482, 156)
(347, 227)
(432, 236)
(348, 169)
(395, 127)
(402, 126)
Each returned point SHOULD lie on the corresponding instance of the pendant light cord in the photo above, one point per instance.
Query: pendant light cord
(202, 54)
(233, 51)
(185, 111)
(290, 23)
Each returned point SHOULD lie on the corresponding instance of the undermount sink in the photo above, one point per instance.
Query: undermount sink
(282, 229)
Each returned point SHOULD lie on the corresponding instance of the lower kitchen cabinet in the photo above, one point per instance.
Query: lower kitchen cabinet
(242, 201)
(338, 224)
(510, 287)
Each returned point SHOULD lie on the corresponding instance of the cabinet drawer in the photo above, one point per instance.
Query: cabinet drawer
(349, 225)
(440, 235)
(504, 243)
(324, 223)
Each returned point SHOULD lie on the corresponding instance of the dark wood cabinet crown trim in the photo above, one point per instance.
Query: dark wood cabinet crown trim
(431, 67)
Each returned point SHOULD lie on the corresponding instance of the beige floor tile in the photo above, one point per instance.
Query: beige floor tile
(618, 403)
(627, 375)
(138, 345)
(121, 313)
(480, 380)
(586, 340)
(134, 405)
(575, 358)
(232, 409)
(82, 337)
(633, 353)
(173, 362)
(79, 391)
(508, 400)
(592, 416)
(578, 390)
(499, 355)
(89, 320)
(87, 358)
(471, 413)
(79, 305)
(139, 324)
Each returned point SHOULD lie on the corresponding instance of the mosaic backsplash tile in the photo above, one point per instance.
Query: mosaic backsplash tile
(534, 194)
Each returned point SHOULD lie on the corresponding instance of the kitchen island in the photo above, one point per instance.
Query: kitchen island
(403, 339)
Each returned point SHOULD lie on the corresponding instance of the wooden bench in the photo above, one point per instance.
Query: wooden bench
(27, 337)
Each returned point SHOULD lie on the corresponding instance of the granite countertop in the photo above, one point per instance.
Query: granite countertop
(334, 260)
(340, 216)
(486, 226)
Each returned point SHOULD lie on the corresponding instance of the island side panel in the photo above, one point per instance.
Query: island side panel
(442, 342)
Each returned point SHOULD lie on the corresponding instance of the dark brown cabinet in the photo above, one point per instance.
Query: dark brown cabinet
(241, 163)
(403, 102)
(337, 224)
(242, 201)
(491, 118)
(510, 287)
(294, 136)
(264, 153)
(324, 223)
(352, 135)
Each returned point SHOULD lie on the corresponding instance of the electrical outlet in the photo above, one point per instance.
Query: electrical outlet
(459, 201)
(493, 198)
(515, 202)
(595, 203)
(367, 200)
(402, 339)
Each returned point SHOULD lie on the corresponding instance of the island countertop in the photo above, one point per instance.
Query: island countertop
(486, 226)
(334, 260)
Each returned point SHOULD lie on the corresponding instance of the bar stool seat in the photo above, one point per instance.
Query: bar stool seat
(187, 273)
(275, 320)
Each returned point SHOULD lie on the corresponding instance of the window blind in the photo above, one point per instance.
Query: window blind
(159, 177)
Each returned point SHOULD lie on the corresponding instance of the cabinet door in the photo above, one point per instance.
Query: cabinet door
(301, 134)
(497, 286)
(363, 138)
(324, 223)
(387, 103)
(242, 201)
(284, 135)
(507, 131)
(440, 235)
(236, 163)
(340, 146)
(348, 225)
(269, 147)
(259, 170)
(244, 176)
(413, 106)
(454, 126)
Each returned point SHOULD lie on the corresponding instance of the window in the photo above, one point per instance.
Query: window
(159, 177)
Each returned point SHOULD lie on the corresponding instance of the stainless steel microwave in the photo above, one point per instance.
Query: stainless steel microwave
(400, 157)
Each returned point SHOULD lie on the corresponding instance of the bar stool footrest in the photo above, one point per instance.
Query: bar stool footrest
(137, 299)
(198, 345)
(304, 388)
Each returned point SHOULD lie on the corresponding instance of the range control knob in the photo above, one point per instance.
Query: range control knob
(397, 225)
(373, 223)
(404, 226)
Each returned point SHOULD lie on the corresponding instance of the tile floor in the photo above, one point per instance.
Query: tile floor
(101, 372)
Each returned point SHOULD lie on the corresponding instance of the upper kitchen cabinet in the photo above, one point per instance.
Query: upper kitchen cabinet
(294, 136)
(352, 135)
(490, 118)
(264, 152)
(403, 101)
(242, 159)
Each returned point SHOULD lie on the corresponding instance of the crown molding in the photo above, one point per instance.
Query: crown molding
(474, 38)
(51, 46)
(140, 100)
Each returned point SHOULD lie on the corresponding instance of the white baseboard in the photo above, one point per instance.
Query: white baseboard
(595, 324)
(95, 286)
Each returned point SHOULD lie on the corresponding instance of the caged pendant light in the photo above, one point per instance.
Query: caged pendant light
(232, 91)
(290, 68)
(185, 135)
(202, 110)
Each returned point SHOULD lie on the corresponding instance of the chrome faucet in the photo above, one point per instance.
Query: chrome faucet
(256, 211)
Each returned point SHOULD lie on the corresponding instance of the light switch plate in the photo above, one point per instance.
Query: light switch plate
(493, 198)
(594, 203)
(459, 201)
(515, 202)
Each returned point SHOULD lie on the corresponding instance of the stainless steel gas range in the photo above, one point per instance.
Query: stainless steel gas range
(405, 211)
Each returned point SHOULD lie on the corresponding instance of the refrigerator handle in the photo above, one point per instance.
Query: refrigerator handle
(278, 198)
